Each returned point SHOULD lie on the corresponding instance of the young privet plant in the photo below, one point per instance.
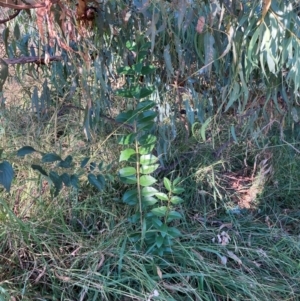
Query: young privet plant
(62, 173)
(155, 210)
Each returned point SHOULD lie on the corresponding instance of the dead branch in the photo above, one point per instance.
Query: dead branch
(32, 59)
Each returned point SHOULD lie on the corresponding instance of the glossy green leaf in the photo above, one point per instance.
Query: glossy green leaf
(176, 181)
(172, 215)
(94, 181)
(127, 117)
(25, 150)
(148, 70)
(147, 180)
(137, 68)
(130, 197)
(127, 171)
(131, 45)
(148, 159)
(6, 175)
(146, 117)
(160, 211)
(149, 191)
(84, 162)
(126, 154)
(176, 200)
(177, 190)
(134, 218)
(52, 157)
(127, 93)
(101, 180)
(149, 200)
(147, 139)
(127, 139)
(156, 222)
(162, 196)
(159, 241)
(147, 169)
(167, 184)
(125, 70)
(145, 92)
(147, 149)
(67, 163)
(129, 179)
(145, 126)
(57, 182)
(66, 179)
(74, 181)
(145, 105)
(93, 166)
(174, 232)
(39, 169)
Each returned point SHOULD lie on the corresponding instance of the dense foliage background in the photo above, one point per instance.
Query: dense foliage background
(149, 150)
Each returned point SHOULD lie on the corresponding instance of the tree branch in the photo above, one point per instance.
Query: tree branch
(32, 59)
(10, 17)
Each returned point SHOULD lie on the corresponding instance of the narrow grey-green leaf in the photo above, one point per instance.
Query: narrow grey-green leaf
(204, 127)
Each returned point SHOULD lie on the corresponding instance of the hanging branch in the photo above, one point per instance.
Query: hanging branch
(33, 59)
(10, 17)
